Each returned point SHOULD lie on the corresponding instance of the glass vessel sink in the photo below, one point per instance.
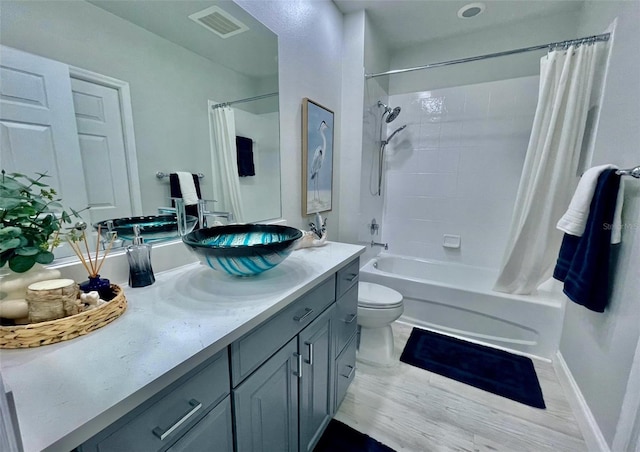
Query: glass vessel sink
(243, 249)
(153, 228)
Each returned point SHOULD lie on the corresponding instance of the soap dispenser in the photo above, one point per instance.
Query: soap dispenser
(139, 255)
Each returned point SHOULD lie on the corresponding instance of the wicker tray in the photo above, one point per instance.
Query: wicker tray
(52, 331)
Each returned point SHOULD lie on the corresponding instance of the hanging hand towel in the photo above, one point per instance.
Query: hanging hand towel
(244, 154)
(574, 220)
(583, 262)
(175, 183)
(187, 183)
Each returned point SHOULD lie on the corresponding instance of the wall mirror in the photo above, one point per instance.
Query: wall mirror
(176, 58)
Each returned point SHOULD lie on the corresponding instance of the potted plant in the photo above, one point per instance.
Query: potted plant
(31, 221)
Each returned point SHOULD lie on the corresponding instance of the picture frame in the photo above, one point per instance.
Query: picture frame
(317, 157)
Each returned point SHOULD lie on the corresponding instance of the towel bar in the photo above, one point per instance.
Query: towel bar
(633, 172)
(161, 175)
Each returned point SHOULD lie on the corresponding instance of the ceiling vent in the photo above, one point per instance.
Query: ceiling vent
(219, 21)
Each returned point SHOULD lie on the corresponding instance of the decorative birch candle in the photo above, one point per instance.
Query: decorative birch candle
(52, 299)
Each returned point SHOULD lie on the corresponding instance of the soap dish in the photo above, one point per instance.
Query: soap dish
(52, 331)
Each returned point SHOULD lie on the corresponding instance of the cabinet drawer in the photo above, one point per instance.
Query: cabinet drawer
(346, 323)
(347, 277)
(345, 370)
(254, 348)
(213, 432)
(174, 411)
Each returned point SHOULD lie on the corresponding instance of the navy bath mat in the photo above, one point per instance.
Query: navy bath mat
(492, 370)
(339, 437)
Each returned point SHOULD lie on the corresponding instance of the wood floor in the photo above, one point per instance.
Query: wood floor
(411, 409)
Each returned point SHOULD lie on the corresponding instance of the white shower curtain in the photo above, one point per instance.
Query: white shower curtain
(224, 162)
(550, 168)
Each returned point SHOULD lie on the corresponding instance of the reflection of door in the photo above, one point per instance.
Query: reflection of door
(36, 134)
(99, 123)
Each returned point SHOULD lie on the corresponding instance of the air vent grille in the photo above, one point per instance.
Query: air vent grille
(219, 21)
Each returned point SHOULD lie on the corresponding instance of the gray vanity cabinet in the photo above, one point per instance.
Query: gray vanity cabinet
(266, 405)
(287, 402)
(345, 330)
(192, 411)
(315, 346)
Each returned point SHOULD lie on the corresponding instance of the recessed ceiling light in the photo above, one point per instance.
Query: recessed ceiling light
(471, 10)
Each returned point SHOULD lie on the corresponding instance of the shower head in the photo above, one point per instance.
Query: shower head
(393, 113)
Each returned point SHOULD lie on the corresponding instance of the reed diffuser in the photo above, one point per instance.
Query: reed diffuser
(93, 265)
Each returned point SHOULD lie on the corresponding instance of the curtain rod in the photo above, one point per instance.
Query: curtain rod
(248, 99)
(550, 46)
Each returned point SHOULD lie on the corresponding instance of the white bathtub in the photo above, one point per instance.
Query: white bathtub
(457, 299)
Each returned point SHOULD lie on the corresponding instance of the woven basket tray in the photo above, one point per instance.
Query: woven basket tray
(52, 331)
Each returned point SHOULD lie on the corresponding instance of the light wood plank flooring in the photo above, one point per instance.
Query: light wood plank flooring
(411, 409)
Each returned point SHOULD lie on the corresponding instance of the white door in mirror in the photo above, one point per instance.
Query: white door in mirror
(37, 136)
(99, 122)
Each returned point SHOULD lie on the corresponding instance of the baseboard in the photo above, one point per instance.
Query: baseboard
(590, 430)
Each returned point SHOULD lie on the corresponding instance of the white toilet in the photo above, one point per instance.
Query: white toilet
(378, 307)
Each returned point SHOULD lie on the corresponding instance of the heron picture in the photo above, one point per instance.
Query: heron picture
(317, 157)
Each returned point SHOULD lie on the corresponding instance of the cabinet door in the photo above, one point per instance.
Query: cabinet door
(266, 405)
(213, 433)
(316, 348)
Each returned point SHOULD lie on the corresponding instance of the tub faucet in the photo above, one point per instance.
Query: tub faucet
(384, 245)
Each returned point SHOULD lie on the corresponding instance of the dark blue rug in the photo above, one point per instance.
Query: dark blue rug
(495, 371)
(339, 437)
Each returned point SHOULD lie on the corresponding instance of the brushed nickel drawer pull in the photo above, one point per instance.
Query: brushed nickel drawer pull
(310, 360)
(351, 318)
(299, 373)
(162, 434)
(351, 277)
(350, 372)
(307, 313)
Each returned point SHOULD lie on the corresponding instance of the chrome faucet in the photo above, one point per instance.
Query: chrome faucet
(384, 245)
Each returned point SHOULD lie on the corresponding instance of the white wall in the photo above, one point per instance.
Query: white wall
(310, 36)
(352, 101)
(455, 169)
(513, 36)
(169, 85)
(599, 348)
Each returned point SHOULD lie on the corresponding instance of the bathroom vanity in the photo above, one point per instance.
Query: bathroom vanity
(199, 360)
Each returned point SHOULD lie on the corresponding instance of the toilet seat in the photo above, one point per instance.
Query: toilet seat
(375, 296)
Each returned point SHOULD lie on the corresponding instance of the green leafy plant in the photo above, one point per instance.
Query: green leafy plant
(31, 221)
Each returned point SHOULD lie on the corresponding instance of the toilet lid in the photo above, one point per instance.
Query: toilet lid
(378, 297)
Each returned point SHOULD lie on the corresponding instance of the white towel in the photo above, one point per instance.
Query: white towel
(188, 188)
(574, 220)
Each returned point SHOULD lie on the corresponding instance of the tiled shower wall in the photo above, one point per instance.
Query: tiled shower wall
(455, 169)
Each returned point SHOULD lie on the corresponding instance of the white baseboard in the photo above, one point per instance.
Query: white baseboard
(590, 430)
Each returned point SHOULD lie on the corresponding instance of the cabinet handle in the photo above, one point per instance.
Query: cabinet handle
(351, 277)
(307, 313)
(350, 319)
(350, 372)
(310, 360)
(299, 373)
(162, 434)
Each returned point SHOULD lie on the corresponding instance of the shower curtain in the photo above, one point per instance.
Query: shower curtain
(550, 168)
(224, 161)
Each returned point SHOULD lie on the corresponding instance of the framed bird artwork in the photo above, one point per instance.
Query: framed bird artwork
(317, 157)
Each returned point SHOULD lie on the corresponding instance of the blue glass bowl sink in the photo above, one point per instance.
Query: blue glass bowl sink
(243, 249)
(153, 228)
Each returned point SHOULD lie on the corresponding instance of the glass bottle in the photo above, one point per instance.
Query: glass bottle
(139, 255)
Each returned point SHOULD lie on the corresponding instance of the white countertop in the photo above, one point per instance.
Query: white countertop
(67, 392)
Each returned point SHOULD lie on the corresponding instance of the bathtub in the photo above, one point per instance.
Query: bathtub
(457, 299)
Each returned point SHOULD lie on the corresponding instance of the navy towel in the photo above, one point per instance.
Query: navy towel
(244, 150)
(583, 262)
(177, 193)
